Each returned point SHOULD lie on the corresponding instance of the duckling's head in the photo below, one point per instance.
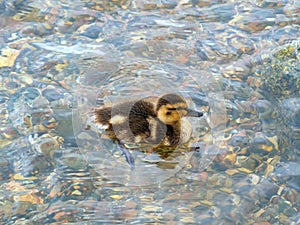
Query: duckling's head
(172, 107)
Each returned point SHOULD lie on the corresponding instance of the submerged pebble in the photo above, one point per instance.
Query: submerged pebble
(234, 62)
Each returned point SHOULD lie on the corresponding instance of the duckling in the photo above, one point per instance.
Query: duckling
(158, 121)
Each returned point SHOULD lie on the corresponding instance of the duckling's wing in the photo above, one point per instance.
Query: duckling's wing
(139, 116)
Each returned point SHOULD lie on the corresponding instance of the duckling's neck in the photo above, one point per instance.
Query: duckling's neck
(175, 125)
(179, 132)
(185, 130)
(173, 134)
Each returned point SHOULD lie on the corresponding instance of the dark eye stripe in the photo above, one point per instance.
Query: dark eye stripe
(179, 108)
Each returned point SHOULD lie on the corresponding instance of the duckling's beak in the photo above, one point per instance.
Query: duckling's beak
(193, 113)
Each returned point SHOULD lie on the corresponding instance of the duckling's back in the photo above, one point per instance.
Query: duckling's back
(133, 121)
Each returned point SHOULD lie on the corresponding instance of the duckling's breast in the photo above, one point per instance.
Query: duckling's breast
(178, 134)
(185, 131)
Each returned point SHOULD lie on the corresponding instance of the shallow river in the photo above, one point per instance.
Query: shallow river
(236, 61)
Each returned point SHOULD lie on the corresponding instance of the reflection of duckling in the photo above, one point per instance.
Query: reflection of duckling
(152, 120)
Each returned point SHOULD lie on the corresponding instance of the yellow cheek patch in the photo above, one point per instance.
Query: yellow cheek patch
(182, 113)
(176, 109)
(168, 116)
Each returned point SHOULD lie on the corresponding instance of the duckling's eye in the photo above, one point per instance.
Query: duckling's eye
(172, 109)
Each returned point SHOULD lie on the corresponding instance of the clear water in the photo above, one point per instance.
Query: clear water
(59, 59)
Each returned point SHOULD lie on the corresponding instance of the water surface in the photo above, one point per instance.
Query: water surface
(238, 61)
